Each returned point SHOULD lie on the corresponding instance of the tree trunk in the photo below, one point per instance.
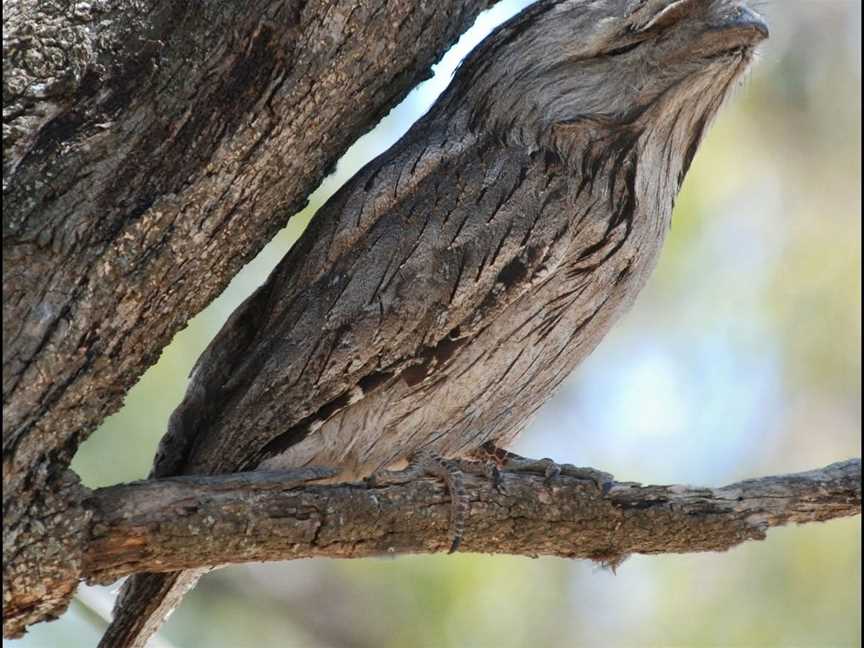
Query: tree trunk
(150, 150)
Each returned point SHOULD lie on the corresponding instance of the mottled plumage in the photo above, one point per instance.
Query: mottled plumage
(437, 300)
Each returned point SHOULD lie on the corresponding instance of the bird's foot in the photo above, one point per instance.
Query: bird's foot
(489, 459)
(495, 459)
(550, 470)
(429, 464)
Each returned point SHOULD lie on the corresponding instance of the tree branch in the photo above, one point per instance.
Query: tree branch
(179, 523)
(201, 521)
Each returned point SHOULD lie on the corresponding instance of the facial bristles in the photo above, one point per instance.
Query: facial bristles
(668, 15)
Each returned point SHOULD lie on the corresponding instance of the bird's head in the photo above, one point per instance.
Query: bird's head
(617, 64)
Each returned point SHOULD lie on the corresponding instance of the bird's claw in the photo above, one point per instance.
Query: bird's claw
(602, 480)
(429, 464)
(497, 479)
(552, 471)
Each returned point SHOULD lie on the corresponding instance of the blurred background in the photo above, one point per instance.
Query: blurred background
(742, 358)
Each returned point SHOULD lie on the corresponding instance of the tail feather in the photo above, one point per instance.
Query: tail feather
(144, 603)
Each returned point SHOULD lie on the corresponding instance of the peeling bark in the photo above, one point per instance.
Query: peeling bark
(207, 521)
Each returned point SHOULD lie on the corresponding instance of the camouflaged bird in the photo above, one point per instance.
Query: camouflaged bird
(439, 297)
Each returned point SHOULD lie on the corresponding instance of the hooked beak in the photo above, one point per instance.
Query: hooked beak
(744, 25)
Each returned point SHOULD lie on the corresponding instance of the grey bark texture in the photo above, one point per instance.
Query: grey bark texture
(150, 150)
(199, 522)
(264, 516)
(439, 298)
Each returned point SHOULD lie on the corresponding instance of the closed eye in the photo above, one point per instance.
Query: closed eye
(623, 49)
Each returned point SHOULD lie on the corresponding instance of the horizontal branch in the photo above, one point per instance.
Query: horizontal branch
(203, 521)
(169, 524)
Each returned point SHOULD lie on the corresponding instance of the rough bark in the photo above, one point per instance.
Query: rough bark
(204, 521)
(42, 557)
(150, 150)
(443, 293)
(159, 153)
